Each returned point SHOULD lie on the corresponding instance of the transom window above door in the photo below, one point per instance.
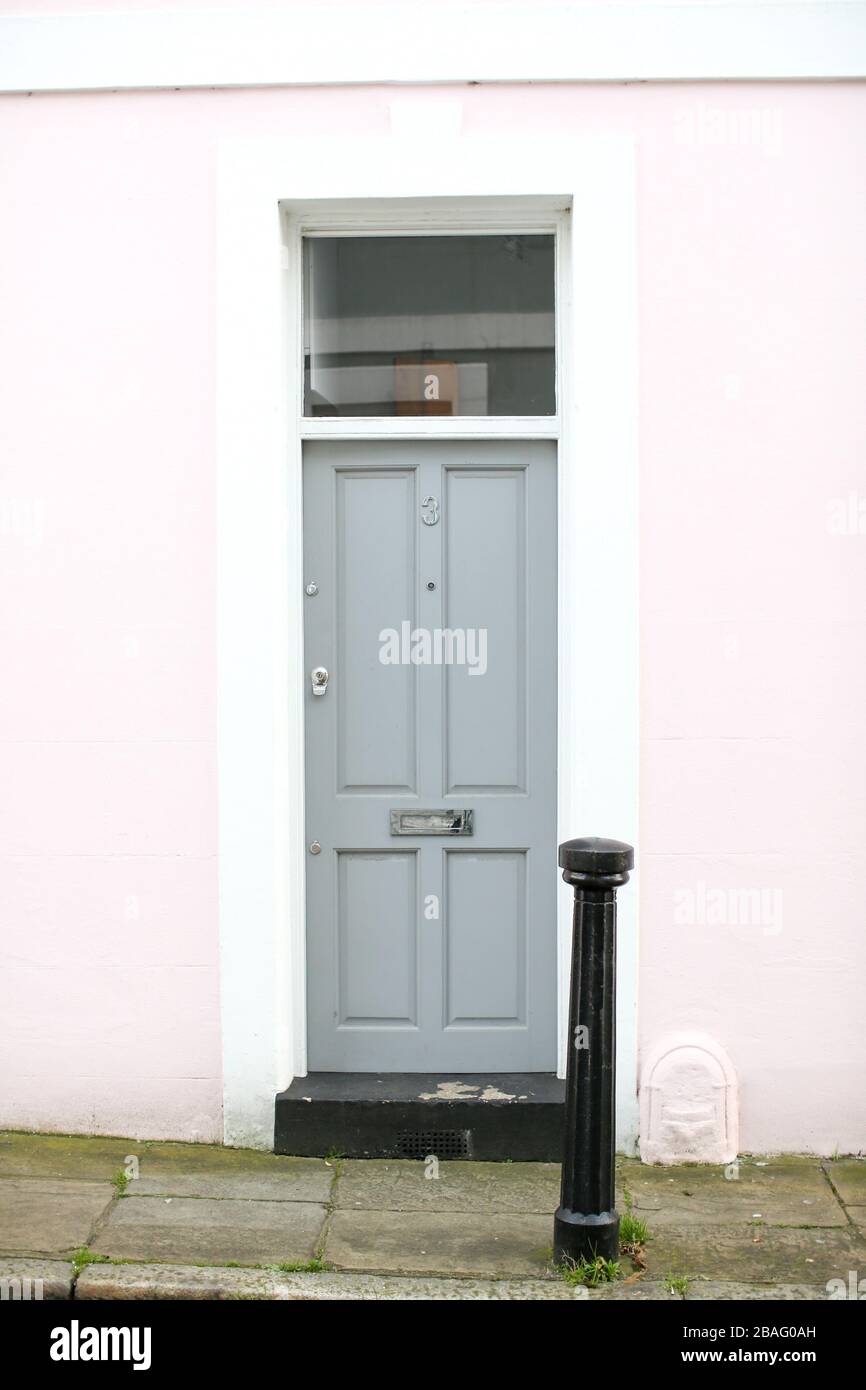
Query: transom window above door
(429, 325)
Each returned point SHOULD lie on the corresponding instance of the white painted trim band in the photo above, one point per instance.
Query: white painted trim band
(465, 181)
(308, 44)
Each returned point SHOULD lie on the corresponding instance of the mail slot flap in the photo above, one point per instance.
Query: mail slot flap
(431, 822)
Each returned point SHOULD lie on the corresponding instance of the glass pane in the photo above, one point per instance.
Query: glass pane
(429, 325)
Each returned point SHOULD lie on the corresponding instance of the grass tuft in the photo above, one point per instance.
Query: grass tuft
(632, 1233)
(677, 1283)
(84, 1256)
(590, 1273)
(316, 1265)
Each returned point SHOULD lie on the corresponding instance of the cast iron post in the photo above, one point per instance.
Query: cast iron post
(586, 1223)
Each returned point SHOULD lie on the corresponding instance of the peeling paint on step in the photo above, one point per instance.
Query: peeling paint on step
(460, 1090)
(450, 1090)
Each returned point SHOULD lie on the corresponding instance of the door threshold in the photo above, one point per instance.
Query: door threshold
(489, 1116)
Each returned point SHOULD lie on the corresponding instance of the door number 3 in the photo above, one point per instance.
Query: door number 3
(430, 511)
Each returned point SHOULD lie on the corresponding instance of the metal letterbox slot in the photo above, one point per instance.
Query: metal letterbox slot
(432, 822)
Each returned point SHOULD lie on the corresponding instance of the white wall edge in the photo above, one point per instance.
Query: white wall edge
(599, 673)
(457, 41)
(260, 618)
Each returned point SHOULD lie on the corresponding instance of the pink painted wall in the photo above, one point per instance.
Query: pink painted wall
(752, 223)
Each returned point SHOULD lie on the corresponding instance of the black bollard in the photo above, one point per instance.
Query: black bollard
(586, 1223)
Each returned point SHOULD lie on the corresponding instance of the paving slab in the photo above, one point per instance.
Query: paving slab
(755, 1255)
(857, 1215)
(48, 1215)
(440, 1243)
(169, 1158)
(181, 1230)
(848, 1176)
(61, 1156)
(153, 1282)
(80, 1156)
(702, 1290)
(403, 1185)
(29, 1277)
(780, 1192)
(297, 1180)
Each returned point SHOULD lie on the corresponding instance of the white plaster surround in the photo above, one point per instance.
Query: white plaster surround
(689, 1102)
(267, 189)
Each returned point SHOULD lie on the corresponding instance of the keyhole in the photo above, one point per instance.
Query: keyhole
(430, 584)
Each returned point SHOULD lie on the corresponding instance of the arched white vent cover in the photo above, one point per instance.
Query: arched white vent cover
(688, 1102)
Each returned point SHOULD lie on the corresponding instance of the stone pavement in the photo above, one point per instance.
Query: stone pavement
(204, 1222)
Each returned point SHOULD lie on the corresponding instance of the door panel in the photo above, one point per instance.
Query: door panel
(485, 587)
(375, 515)
(431, 952)
(378, 967)
(485, 921)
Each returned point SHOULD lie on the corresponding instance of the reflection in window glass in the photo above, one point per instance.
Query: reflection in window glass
(429, 325)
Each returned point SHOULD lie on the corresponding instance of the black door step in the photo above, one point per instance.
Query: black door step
(494, 1116)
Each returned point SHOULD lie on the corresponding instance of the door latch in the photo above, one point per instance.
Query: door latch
(319, 679)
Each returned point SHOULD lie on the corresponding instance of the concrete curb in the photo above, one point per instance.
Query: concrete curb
(56, 1277)
(158, 1282)
(150, 1282)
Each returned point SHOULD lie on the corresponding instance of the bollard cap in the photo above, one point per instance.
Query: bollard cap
(596, 857)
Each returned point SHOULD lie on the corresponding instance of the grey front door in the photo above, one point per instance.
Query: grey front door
(434, 617)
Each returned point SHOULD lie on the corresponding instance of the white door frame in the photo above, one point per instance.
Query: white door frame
(269, 192)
